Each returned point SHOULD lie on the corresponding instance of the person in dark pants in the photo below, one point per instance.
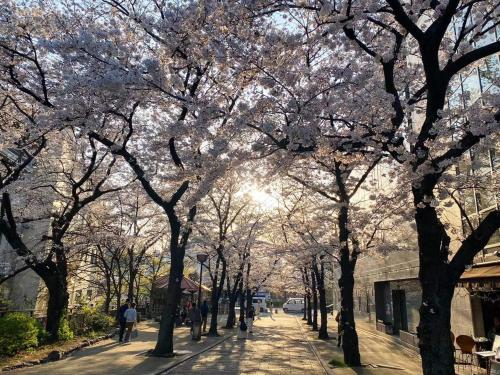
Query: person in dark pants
(338, 319)
(195, 317)
(122, 320)
(204, 315)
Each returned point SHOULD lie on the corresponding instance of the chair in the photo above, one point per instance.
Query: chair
(496, 343)
(452, 336)
(466, 344)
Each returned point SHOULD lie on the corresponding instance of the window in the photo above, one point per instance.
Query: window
(490, 72)
(471, 87)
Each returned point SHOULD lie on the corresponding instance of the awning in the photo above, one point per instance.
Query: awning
(482, 272)
(186, 284)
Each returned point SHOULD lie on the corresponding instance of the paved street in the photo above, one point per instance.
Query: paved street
(276, 347)
(279, 345)
(112, 358)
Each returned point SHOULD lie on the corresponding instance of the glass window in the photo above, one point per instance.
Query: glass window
(488, 37)
(490, 74)
(495, 239)
(471, 87)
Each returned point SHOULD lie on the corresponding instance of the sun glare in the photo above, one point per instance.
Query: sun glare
(265, 200)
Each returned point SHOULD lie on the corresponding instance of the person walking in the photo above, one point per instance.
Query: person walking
(204, 315)
(338, 319)
(242, 329)
(257, 311)
(131, 320)
(121, 319)
(195, 317)
(250, 319)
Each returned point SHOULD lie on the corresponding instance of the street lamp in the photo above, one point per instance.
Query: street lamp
(202, 259)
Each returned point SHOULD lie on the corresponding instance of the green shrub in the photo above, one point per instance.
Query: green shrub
(64, 332)
(97, 321)
(19, 331)
(90, 320)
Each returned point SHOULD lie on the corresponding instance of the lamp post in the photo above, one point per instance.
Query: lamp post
(202, 259)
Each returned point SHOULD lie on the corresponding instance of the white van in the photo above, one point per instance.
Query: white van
(294, 305)
(261, 302)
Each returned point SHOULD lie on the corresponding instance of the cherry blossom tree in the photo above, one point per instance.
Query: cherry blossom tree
(64, 184)
(411, 56)
(416, 53)
(174, 101)
(217, 223)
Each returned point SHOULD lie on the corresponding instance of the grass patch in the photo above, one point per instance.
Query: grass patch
(337, 363)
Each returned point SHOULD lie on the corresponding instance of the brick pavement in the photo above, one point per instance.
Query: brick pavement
(277, 346)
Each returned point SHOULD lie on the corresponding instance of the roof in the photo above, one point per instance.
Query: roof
(490, 270)
(186, 284)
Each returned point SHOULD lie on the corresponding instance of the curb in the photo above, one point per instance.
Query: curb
(181, 361)
(57, 355)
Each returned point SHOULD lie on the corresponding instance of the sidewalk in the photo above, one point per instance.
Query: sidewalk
(110, 357)
(276, 347)
(379, 355)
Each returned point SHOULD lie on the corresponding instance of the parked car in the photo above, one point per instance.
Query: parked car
(294, 305)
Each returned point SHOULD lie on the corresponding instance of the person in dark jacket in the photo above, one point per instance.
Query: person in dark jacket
(195, 317)
(204, 315)
(122, 320)
(250, 319)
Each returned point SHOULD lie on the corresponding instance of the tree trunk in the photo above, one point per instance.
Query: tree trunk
(304, 317)
(231, 314)
(249, 300)
(131, 285)
(309, 310)
(308, 294)
(242, 300)
(217, 288)
(320, 280)
(55, 279)
(165, 343)
(437, 292)
(107, 299)
(350, 342)
(315, 304)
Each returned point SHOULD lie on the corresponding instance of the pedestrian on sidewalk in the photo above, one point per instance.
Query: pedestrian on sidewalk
(250, 319)
(257, 311)
(242, 329)
(184, 314)
(195, 317)
(204, 315)
(131, 320)
(338, 319)
(121, 319)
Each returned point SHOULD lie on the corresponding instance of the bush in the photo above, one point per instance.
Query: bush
(97, 321)
(90, 320)
(19, 331)
(64, 332)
